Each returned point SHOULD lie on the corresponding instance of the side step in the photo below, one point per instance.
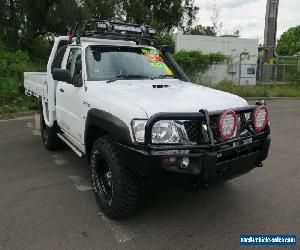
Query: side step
(70, 144)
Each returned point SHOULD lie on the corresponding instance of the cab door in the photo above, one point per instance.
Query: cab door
(69, 107)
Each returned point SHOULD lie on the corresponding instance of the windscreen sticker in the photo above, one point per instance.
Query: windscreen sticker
(157, 64)
(169, 71)
(156, 60)
(152, 55)
(153, 58)
(162, 65)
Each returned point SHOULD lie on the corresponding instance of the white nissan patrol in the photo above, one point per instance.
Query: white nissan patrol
(133, 113)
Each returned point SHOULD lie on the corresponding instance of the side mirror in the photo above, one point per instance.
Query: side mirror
(62, 75)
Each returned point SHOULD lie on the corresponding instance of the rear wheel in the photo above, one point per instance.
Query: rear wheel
(49, 136)
(116, 187)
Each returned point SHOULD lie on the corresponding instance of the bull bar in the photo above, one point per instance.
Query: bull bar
(202, 115)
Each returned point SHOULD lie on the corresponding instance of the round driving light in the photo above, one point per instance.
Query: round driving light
(227, 124)
(260, 118)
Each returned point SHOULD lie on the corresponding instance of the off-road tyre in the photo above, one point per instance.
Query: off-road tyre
(49, 135)
(122, 200)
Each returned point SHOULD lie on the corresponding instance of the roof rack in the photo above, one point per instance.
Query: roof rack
(103, 29)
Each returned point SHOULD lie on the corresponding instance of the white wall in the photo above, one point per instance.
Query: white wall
(239, 49)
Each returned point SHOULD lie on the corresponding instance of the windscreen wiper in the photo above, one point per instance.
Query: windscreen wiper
(162, 77)
(128, 76)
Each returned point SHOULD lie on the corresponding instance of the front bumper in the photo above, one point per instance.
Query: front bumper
(206, 161)
(204, 165)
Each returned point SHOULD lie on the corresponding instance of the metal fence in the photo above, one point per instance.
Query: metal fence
(251, 74)
(278, 73)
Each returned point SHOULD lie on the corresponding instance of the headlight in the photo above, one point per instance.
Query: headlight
(162, 131)
(165, 132)
(138, 129)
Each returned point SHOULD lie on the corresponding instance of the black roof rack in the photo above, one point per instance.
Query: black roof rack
(103, 29)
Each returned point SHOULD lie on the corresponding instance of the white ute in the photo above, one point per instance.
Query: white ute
(133, 113)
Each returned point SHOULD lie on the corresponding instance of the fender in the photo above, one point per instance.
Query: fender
(109, 124)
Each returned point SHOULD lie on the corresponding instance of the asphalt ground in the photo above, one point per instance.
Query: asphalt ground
(46, 201)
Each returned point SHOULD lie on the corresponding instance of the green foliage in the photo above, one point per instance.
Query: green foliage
(12, 66)
(102, 9)
(284, 90)
(11, 101)
(166, 39)
(163, 15)
(289, 42)
(200, 30)
(38, 48)
(15, 63)
(26, 20)
(292, 75)
(195, 62)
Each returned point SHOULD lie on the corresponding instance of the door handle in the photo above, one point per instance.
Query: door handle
(61, 90)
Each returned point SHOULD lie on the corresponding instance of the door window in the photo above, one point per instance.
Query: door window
(74, 65)
(59, 56)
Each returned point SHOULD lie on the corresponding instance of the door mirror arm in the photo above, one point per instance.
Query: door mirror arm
(77, 80)
(77, 84)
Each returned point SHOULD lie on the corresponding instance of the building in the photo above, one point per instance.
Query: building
(243, 53)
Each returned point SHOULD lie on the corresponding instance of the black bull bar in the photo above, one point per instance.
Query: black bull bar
(202, 115)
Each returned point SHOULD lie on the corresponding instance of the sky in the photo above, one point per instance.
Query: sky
(248, 16)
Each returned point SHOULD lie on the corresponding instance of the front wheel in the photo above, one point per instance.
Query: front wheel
(116, 188)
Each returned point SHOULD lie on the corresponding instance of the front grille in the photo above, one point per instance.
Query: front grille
(243, 120)
(197, 134)
(192, 129)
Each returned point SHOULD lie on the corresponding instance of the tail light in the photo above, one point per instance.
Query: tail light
(260, 118)
(227, 124)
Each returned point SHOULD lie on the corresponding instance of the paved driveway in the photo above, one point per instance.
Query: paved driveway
(46, 200)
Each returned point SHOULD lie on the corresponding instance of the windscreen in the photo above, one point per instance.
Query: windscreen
(109, 62)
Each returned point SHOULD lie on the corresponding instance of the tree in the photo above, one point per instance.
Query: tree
(289, 42)
(28, 24)
(216, 23)
(10, 21)
(101, 9)
(166, 39)
(3, 17)
(190, 13)
(237, 32)
(206, 30)
(64, 15)
(200, 30)
(163, 15)
(51, 16)
(45, 19)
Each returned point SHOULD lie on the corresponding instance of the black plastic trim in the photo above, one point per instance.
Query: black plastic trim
(108, 123)
(205, 164)
(178, 71)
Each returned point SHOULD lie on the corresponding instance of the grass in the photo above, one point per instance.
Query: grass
(11, 100)
(284, 90)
